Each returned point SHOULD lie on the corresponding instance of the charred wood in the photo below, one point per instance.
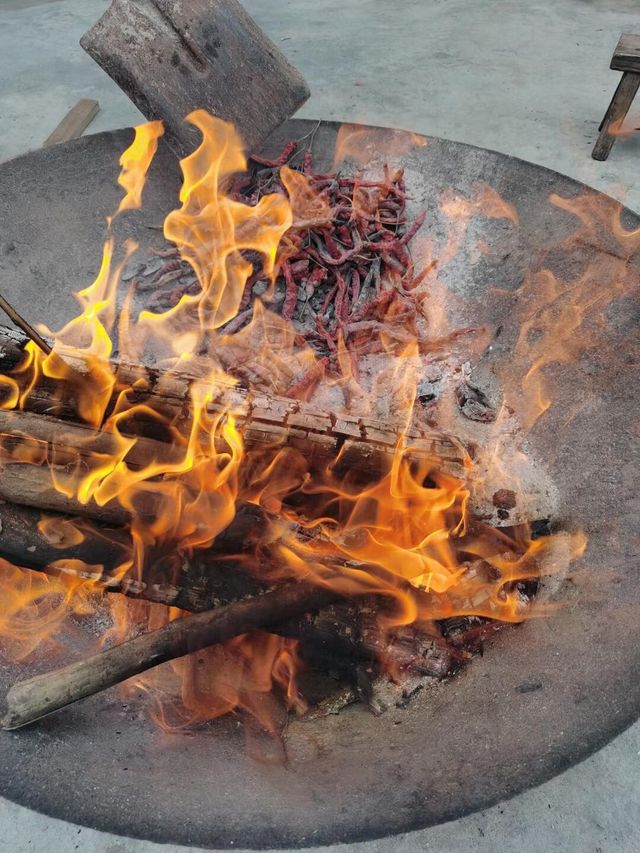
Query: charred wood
(36, 697)
(362, 446)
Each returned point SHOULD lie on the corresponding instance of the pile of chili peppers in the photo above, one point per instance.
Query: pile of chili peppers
(349, 278)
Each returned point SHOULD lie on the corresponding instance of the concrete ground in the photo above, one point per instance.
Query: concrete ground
(524, 77)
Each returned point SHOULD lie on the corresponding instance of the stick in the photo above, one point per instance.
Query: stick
(11, 312)
(36, 697)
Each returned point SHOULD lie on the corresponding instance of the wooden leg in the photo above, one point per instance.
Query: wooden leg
(618, 108)
(613, 99)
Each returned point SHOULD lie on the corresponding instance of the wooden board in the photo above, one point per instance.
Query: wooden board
(172, 58)
(74, 123)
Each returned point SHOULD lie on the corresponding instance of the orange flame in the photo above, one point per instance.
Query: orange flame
(361, 144)
(404, 533)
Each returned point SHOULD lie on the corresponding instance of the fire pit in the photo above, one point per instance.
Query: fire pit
(546, 693)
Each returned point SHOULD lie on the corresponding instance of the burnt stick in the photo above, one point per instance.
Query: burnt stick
(29, 700)
(27, 328)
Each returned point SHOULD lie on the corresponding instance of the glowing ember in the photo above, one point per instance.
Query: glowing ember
(402, 529)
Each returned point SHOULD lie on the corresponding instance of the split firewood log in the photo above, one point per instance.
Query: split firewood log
(171, 58)
(263, 420)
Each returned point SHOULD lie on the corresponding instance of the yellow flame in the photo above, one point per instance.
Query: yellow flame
(403, 531)
(135, 163)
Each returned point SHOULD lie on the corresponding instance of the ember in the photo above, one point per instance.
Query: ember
(280, 451)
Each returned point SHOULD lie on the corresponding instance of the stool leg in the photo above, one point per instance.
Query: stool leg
(615, 95)
(618, 108)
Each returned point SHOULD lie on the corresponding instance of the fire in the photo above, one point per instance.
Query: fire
(553, 311)
(405, 532)
(361, 144)
(135, 164)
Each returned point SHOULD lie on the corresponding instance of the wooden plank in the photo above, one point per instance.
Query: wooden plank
(172, 58)
(626, 56)
(74, 123)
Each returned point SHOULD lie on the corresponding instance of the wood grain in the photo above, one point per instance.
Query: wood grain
(173, 57)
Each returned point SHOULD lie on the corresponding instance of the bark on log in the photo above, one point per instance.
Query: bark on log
(174, 57)
(341, 637)
(205, 580)
(363, 445)
(198, 582)
(36, 697)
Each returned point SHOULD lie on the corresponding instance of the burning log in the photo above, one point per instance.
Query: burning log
(344, 637)
(263, 419)
(96, 552)
(36, 697)
(64, 441)
(171, 58)
(36, 450)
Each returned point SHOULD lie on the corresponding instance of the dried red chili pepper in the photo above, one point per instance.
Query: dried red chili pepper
(288, 151)
(360, 261)
(291, 293)
(308, 380)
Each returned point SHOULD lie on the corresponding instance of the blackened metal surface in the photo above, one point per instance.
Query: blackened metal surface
(465, 745)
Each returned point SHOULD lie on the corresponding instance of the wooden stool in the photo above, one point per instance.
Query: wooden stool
(626, 58)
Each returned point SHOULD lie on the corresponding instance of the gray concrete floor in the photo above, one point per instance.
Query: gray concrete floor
(527, 78)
